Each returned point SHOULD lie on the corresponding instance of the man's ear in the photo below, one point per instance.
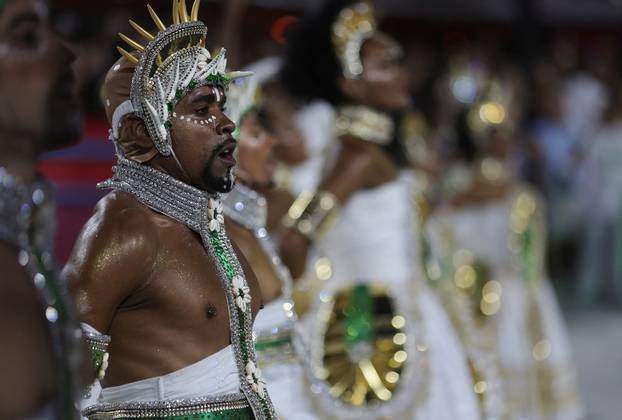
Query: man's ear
(134, 129)
(134, 140)
(352, 89)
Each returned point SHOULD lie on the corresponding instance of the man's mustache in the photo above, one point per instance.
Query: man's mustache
(221, 146)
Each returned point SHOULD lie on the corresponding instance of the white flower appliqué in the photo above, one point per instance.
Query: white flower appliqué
(241, 292)
(215, 215)
(255, 379)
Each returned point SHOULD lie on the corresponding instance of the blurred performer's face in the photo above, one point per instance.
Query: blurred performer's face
(384, 83)
(38, 104)
(256, 155)
(203, 140)
(279, 113)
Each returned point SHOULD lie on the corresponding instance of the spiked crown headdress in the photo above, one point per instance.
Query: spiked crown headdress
(172, 63)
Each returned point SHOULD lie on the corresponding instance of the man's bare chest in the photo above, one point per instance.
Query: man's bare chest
(186, 282)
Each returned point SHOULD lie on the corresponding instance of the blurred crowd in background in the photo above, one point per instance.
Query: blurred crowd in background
(560, 83)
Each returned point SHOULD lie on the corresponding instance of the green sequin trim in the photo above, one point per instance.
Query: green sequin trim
(218, 79)
(224, 259)
(97, 357)
(223, 256)
(527, 253)
(359, 317)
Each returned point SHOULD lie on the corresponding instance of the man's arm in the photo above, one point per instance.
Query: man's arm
(112, 258)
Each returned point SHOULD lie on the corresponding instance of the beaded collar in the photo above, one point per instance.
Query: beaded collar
(249, 208)
(27, 222)
(202, 212)
(366, 124)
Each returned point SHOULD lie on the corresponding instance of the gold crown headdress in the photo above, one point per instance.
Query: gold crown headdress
(354, 25)
(172, 63)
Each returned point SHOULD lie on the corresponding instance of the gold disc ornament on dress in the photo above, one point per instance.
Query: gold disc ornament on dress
(363, 350)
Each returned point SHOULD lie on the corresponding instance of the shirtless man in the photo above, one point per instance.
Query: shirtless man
(38, 112)
(153, 268)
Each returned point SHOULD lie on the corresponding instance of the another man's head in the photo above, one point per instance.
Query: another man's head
(38, 106)
(169, 110)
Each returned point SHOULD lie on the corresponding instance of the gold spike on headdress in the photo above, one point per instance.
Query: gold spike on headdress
(131, 42)
(179, 14)
(353, 26)
(194, 14)
(183, 11)
(141, 31)
(127, 55)
(175, 13)
(156, 18)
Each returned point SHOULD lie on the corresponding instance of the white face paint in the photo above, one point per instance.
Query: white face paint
(210, 120)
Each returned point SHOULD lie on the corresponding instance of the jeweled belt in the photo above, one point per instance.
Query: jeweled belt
(227, 407)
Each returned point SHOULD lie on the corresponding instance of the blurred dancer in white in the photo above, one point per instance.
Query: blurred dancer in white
(488, 243)
(378, 343)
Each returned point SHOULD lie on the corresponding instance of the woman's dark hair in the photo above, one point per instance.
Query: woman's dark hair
(311, 68)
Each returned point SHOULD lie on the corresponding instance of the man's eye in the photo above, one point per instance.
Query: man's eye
(202, 111)
(223, 109)
(27, 39)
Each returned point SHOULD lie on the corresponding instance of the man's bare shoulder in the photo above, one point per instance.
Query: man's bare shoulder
(117, 246)
(120, 219)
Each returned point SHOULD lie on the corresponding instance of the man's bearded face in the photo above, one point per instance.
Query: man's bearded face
(203, 139)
